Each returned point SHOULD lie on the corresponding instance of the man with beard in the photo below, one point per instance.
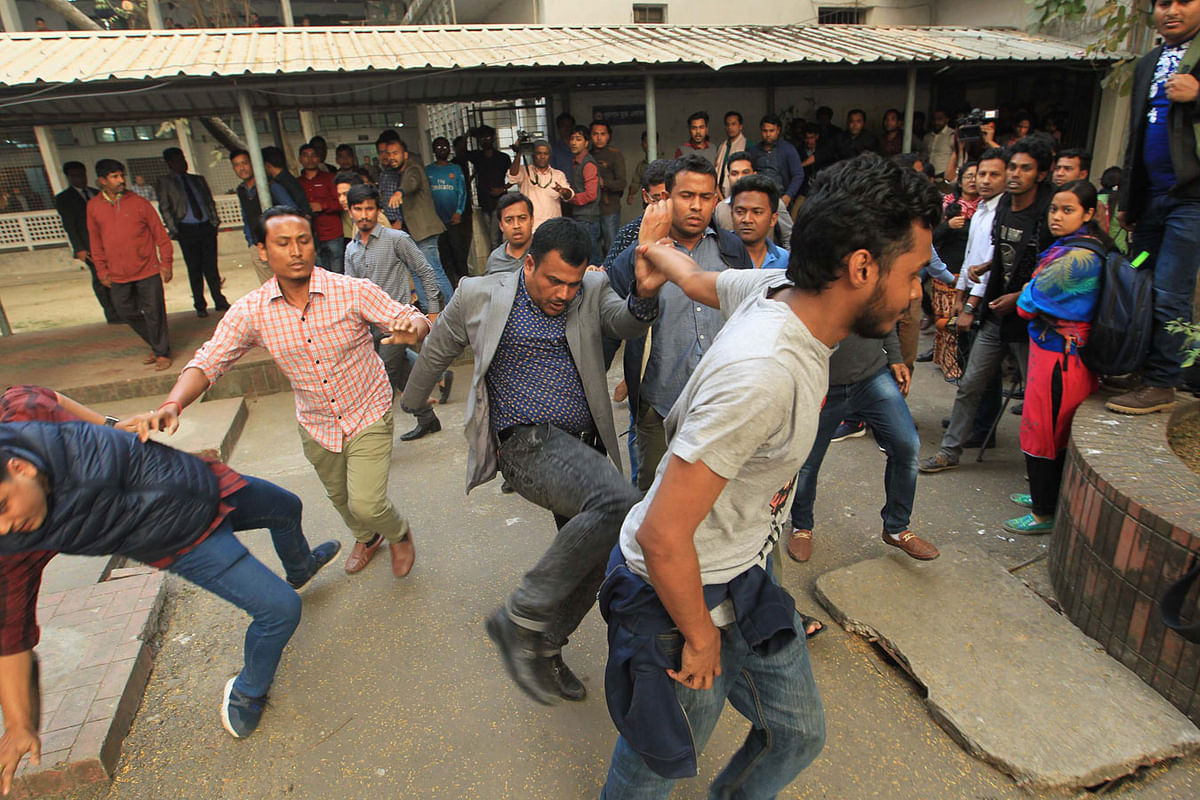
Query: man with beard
(694, 617)
(1019, 234)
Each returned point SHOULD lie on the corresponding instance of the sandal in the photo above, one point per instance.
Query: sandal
(809, 622)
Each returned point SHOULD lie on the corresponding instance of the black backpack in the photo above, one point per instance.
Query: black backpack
(1122, 326)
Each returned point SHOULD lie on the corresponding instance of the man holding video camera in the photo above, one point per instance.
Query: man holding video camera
(546, 187)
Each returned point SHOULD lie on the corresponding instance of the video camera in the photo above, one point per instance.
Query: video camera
(970, 126)
(524, 143)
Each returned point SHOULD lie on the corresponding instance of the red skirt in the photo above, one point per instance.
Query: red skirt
(1055, 386)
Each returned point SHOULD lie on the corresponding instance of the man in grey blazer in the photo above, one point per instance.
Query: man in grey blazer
(190, 214)
(539, 413)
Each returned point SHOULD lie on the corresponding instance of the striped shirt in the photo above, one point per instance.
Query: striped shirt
(324, 349)
(391, 260)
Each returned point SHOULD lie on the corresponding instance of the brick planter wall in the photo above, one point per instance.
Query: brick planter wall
(1128, 517)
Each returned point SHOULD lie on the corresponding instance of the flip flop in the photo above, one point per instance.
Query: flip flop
(808, 622)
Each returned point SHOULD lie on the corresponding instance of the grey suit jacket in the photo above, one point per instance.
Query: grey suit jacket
(477, 316)
(173, 202)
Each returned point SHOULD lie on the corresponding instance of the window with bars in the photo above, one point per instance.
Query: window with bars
(649, 14)
(24, 185)
(349, 122)
(131, 133)
(840, 15)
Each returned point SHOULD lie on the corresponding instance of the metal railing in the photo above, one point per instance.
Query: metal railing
(29, 229)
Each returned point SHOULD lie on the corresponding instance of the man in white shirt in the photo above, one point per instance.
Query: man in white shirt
(989, 182)
(546, 187)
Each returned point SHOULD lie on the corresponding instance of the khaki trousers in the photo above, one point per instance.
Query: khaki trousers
(356, 480)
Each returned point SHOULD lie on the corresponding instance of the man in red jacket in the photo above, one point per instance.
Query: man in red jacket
(132, 253)
(326, 208)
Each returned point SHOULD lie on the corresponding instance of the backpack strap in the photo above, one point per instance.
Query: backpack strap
(1172, 603)
(1088, 243)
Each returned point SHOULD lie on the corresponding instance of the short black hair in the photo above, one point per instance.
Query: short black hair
(825, 111)
(743, 155)
(344, 148)
(71, 166)
(771, 119)
(485, 130)
(259, 228)
(756, 183)
(737, 114)
(274, 156)
(509, 198)
(596, 122)
(907, 160)
(437, 139)
(582, 131)
(695, 115)
(690, 163)
(5, 455)
(993, 154)
(1085, 158)
(313, 141)
(862, 203)
(387, 137)
(568, 237)
(1036, 149)
(107, 166)
(172, 152)
(854, 111)
(352, 178)
(565, 115)
(238, 152)
(360, 192)
(656, 172)
(307, 146)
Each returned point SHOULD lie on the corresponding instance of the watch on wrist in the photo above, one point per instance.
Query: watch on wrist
(111, 421)
(970, 309)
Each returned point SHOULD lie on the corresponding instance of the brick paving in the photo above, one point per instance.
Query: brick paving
(87, 709)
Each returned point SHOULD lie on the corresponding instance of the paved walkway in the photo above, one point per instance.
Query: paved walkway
(391, 689)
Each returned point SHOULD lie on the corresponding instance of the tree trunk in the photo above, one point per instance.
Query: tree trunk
(217, 127)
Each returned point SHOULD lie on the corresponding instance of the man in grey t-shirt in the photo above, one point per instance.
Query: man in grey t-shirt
(738, 434)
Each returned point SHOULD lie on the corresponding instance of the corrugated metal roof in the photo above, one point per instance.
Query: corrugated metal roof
(87, 56)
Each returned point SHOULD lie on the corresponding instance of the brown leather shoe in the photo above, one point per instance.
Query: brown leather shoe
(404, 555)
(361, 555)
(799, 545)
(1145, 400)
(914, 546)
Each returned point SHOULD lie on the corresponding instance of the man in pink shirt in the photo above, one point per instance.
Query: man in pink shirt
(317, 326)
(546, 187)
(132, 253)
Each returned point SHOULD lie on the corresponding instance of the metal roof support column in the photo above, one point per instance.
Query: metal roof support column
(184, 136)
(50, 158)
(910, 107)
(308, 125)
(252, 144)
(154, 15)
(651, 120)
(285, 10)
(10, 16)
(424, 143)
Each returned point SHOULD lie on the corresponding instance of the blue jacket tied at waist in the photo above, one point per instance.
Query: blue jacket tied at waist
(640, 694)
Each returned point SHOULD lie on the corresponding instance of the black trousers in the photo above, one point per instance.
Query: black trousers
(103, 295)
(1045, 479)
(198, 243)
(142, 306)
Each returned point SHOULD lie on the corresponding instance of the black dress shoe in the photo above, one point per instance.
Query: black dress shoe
(223, 305)
(520, 649)
(201, 312)
(926, 357)
(421, 430)
(447, 383)
(569, 686)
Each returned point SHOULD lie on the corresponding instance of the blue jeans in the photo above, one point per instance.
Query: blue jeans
(1169, 230)
(609, 225)
(429, 249)
(593, 229)
(779, 697)
(878, 402)
(330, 254)
(222, 565)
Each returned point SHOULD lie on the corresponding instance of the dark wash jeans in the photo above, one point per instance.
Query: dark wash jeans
(1169, 230)
(878, 402)
(589, 499)
(222, 565)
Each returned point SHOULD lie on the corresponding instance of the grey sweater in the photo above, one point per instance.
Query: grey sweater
(857, 359)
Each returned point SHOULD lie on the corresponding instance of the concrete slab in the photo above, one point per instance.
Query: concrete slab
(209, 429)
(1012, 681)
